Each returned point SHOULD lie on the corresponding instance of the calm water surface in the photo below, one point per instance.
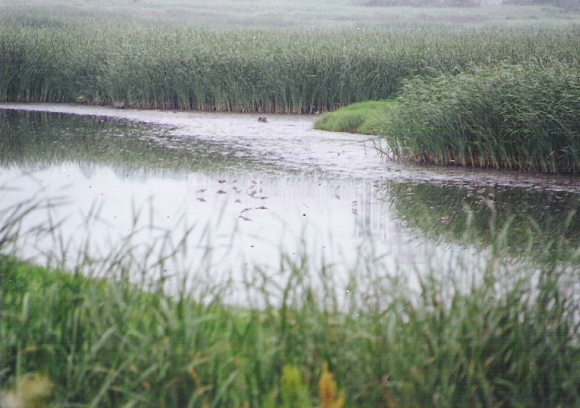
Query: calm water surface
(245, 192)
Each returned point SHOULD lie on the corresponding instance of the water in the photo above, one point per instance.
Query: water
(245, 192)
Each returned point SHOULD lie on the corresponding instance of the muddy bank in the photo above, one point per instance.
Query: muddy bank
(290, 143)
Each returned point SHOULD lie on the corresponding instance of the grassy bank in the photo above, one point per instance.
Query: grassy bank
(509, 338)
(361, 117)
(179, 67)
(524, 116)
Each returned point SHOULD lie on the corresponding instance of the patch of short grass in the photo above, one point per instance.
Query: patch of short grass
(359, 117)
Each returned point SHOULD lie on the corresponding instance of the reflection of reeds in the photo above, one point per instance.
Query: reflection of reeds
(491, 333)
(535, 221)
(34, 139)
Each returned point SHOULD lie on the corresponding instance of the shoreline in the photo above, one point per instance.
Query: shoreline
(342, 154)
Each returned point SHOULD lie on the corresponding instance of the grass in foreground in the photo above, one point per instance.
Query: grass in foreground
(509, 338)
(361, 117)
(476, 331)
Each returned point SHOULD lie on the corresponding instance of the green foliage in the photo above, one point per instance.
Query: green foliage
(295, 394)
(138, 347)
(523, 116)
(177, 67)
(359, 117)
(507, 337)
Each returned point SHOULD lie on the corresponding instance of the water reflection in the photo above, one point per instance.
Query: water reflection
(33, 140)
(471, 214)
(121, 176)
(251, 211)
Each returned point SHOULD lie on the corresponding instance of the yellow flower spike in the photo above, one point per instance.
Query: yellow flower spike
(339, 403)
(295, 393)
(327, 387)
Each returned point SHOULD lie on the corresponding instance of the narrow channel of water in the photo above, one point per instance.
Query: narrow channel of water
(252, 191)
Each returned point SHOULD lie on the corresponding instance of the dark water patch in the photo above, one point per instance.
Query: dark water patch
(35, 140)
(532, 218)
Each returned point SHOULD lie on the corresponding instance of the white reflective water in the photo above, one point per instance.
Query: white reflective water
(249, 220)
(265, 190)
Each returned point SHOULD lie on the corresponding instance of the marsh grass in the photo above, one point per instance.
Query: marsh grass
(295, 71)
(522, 116)
(361, 117)
(502, 333)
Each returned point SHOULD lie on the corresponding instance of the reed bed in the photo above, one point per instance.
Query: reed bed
(297, 71)
(503, 333)
(523, 116)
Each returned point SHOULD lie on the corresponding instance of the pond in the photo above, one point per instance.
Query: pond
(224, 195)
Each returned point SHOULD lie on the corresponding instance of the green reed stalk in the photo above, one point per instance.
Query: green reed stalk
(176, 67)
(521, 116)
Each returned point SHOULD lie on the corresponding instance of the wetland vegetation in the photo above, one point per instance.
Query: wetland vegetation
(361, 117)
(509, 336)
(249, 70)
(523, 116)
(496, 323)
(472, 86)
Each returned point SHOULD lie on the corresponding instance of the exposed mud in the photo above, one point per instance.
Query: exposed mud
(290, 143)
(252, 192)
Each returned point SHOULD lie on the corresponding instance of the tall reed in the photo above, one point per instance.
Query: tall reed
(177, 67)
(524, 116)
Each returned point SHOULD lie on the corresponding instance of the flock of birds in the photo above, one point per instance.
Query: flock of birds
(254, 191)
